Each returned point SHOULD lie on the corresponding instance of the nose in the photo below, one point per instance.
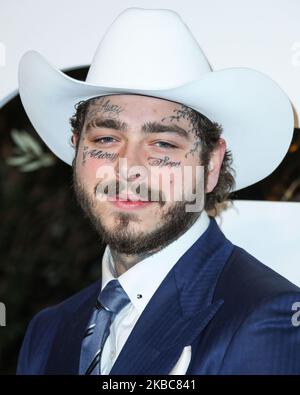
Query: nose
(131, 162)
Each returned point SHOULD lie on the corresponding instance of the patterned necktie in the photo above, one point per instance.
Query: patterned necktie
(111, 300)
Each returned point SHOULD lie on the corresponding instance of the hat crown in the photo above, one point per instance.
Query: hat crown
(147, 49)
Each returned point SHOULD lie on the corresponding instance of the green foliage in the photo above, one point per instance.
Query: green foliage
(30, 155)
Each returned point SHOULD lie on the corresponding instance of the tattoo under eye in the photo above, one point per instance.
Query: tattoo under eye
(161, 162)
(98, 154)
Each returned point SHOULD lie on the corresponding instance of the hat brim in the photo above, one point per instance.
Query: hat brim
(256, 115)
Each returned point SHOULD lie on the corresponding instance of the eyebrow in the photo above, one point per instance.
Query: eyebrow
(147, 128)
(155, 127)
(108, 123)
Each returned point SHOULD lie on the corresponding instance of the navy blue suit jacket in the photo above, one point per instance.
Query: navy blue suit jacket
(235, 313)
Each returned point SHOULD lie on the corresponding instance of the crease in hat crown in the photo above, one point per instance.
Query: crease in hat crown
(147, 49)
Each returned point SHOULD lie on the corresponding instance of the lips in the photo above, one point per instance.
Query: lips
(129, 202)
(127, 198)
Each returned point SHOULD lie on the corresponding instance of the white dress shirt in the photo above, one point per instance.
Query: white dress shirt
(140, 290)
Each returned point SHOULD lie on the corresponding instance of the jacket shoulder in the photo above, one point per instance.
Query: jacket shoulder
(44, 326)
(253, 331)
(264, 335)
(68, 305)
(248, 280)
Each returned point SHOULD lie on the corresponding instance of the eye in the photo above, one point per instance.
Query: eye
(105, 140)
(164, 144)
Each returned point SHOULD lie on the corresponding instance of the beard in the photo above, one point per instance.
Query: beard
(121, 239)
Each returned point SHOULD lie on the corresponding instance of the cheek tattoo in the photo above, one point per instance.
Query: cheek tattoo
(163, 162)
(84, 153)
(98, 154)
(196, 147)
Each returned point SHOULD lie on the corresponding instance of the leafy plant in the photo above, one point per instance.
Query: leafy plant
(29, 153)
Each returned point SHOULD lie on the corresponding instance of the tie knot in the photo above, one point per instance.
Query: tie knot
(113, 297)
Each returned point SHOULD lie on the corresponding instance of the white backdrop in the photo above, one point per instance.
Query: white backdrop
(268, 230)
(261, 34)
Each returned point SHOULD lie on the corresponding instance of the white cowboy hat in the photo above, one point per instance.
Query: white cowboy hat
(152, 52)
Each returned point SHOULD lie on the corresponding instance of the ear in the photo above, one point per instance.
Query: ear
(74, 138)
(214, 165)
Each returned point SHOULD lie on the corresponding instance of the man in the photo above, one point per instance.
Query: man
(175, 297)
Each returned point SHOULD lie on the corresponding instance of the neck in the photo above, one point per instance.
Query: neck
(123, 262)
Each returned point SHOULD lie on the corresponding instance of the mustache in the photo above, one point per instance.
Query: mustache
(115, 188)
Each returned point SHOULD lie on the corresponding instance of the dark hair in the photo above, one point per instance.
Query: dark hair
(209, 134)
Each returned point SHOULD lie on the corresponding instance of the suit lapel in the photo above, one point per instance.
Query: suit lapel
(179, 310)
(156, 347)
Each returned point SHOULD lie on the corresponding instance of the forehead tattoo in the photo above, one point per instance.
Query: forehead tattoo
(102, 105)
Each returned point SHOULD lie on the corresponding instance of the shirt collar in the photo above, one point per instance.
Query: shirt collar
(135, 281)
